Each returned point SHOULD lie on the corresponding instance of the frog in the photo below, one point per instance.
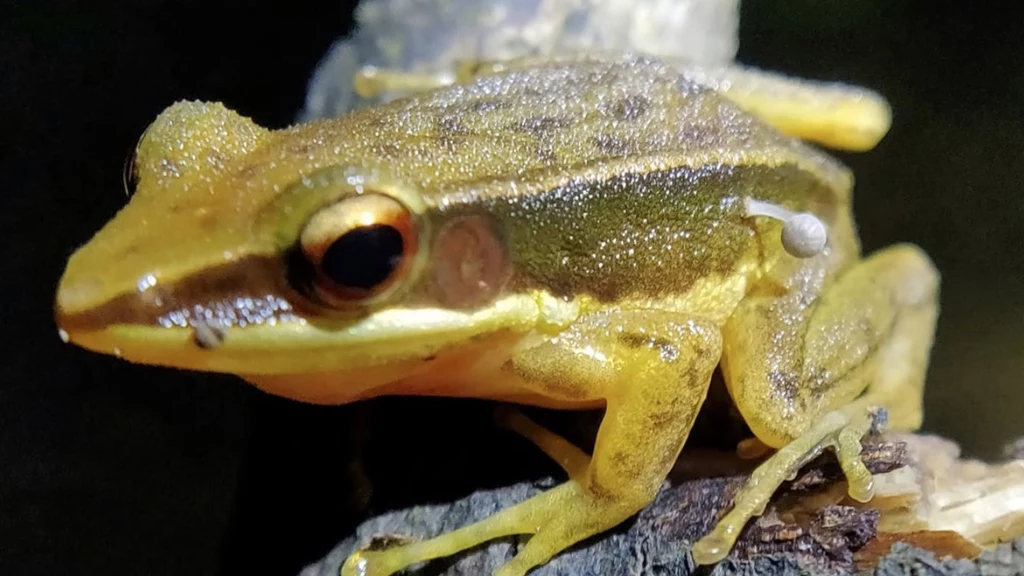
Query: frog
(588, 233)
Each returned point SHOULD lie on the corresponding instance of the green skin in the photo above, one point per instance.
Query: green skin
(539, 149)
(602, 238)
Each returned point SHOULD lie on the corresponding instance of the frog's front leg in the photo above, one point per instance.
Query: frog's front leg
(811, 371)
(652, 369)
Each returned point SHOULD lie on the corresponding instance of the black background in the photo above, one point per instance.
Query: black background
(107, 468)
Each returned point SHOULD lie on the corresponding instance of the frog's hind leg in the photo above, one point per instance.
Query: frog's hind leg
(653, 370)
(836, 115)
(573, 460)
(811, 373)
(373, 82)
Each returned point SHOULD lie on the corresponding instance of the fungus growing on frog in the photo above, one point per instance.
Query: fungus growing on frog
(803, 234)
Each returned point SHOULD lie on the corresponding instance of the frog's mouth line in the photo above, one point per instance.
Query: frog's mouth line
(251, 290)
(307, 346)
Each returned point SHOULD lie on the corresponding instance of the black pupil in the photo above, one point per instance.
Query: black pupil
(363, 258)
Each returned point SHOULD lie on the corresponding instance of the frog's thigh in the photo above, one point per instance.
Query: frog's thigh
(573, 460)
(796, 370)
(787, 363)
(836, 115)
(653, 370)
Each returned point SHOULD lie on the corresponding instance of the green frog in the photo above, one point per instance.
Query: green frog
(570, 233)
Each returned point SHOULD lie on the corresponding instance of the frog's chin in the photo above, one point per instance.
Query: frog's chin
(396, 338)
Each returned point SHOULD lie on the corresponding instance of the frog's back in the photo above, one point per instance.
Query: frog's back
(533, 123)
(610, 178)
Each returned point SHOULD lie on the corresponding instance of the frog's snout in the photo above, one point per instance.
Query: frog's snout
(76, 294)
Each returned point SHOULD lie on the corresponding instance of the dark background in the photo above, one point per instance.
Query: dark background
(108, 468)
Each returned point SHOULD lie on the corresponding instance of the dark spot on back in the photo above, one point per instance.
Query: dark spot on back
(540, 125)
(631, 107)
(699, 135)
(379, 121)
(611, 144)
(545, 153)
(449, 143)
(482, 106)
(450, 125)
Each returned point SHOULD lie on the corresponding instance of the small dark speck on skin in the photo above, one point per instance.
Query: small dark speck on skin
(610, 144)
(488, 105)
(659, 419)
(631, 107)
(450, 125)
(540, 125)
(545, 152)
(699, 135)
(299, 148)
(249, 170)
(620, 459)
(208, 335)
(668, 350)
(784, 382)
(637, 340)
(449, 142)
(176, 208)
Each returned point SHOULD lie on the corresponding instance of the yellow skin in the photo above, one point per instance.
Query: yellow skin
(575, 233)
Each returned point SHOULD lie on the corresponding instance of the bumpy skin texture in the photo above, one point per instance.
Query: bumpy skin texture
(617, 262)
(216, 181)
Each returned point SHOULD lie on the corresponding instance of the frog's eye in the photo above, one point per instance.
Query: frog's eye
(359, 247)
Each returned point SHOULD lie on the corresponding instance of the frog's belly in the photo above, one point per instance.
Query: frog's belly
(342, 388)
(477, 369)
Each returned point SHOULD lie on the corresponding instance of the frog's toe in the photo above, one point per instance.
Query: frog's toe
(842, 430)
(861, 485)
(715, 546)
(368, 563)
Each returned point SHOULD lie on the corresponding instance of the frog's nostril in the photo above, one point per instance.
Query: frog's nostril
(77, 294)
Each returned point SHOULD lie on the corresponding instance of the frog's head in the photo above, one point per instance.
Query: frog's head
(256, 252)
